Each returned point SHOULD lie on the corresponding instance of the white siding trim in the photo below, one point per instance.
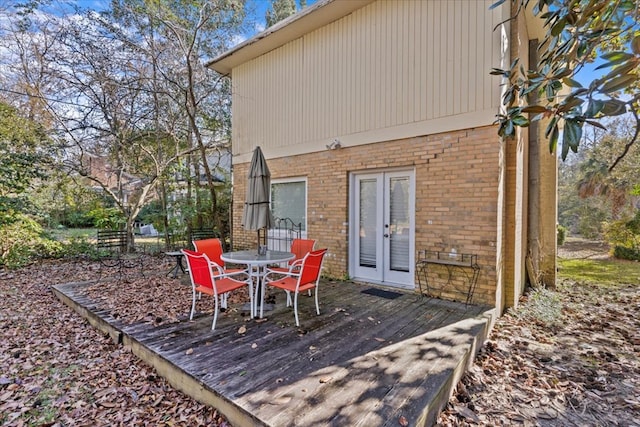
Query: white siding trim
(445, 124)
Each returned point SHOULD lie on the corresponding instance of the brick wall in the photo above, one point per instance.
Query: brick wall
(457, 182)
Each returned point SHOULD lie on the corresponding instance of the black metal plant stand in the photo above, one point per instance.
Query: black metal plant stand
(465, 264)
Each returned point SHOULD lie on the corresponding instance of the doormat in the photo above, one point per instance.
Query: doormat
(382, 293)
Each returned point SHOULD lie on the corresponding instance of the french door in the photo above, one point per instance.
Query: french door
(382, 227)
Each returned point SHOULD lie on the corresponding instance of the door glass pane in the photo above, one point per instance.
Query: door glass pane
(288, 200)
(368, 221)
(399, 223)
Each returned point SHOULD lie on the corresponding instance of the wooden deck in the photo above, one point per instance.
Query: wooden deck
(367, 360)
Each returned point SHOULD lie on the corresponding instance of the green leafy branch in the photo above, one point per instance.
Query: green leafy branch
(577, 32)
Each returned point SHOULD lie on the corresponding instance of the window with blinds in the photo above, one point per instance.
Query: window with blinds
(289, 200)
(368, 221)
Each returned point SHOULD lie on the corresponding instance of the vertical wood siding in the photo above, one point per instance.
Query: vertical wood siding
(388, 64)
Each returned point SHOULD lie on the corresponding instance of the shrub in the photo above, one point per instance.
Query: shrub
(77, 219)
(624, 237)
(109, 218)
(561, 235)
(78, 247)
(622, 252)
(22, 241)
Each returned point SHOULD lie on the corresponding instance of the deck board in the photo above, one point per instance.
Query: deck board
(365, 360)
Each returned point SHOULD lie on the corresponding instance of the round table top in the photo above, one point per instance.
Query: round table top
(173, 253)
(253, 258)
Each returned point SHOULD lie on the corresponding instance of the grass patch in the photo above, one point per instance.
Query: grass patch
(605, 272)
(67, 234)
(543, 306)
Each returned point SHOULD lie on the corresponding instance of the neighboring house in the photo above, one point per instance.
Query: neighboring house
(377, 122)
(99, 168)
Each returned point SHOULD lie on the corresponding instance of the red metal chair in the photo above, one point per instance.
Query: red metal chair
(300, 248)
(209, 278)
(306, 279)
(212, 248)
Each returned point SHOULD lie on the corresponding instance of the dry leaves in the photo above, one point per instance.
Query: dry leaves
(58, 370)
(584, 372)
(153, 297)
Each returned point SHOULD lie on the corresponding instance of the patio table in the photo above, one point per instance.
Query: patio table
(178, 267)
(256, 264)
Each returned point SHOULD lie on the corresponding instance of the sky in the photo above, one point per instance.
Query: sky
(257, 8)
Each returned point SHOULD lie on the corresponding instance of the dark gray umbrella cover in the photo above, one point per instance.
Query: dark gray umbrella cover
(257, 213)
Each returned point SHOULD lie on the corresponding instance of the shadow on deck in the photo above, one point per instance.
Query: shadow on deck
(367, 360)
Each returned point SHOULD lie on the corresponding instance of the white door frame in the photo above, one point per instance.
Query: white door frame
(380, 273)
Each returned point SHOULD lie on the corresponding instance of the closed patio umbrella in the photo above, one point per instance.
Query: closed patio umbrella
(257, 213)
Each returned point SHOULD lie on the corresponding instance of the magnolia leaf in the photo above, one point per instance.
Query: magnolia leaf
(572, 134)
(613, 107)
(596, 124)
(537, 117)
(562, 73)
(571, 82)
(593, 107)
(570, 103)
(619, 83)
(499, 72)
(534, 109)
(550, 93)
(533, 86)
(508, 129)
(553, 140)
(496, 4)
(621, 69)
(557, 29)
(565, 148)
(579, 92)
(521, 121)
(616, 57)
(582, 48)
(635, 45)
(550, 127)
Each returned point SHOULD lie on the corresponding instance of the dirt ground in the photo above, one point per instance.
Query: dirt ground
(579, 248)
(567, 357)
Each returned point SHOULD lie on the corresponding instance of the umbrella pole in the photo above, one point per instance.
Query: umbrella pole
(262, 237)
(262, 240)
